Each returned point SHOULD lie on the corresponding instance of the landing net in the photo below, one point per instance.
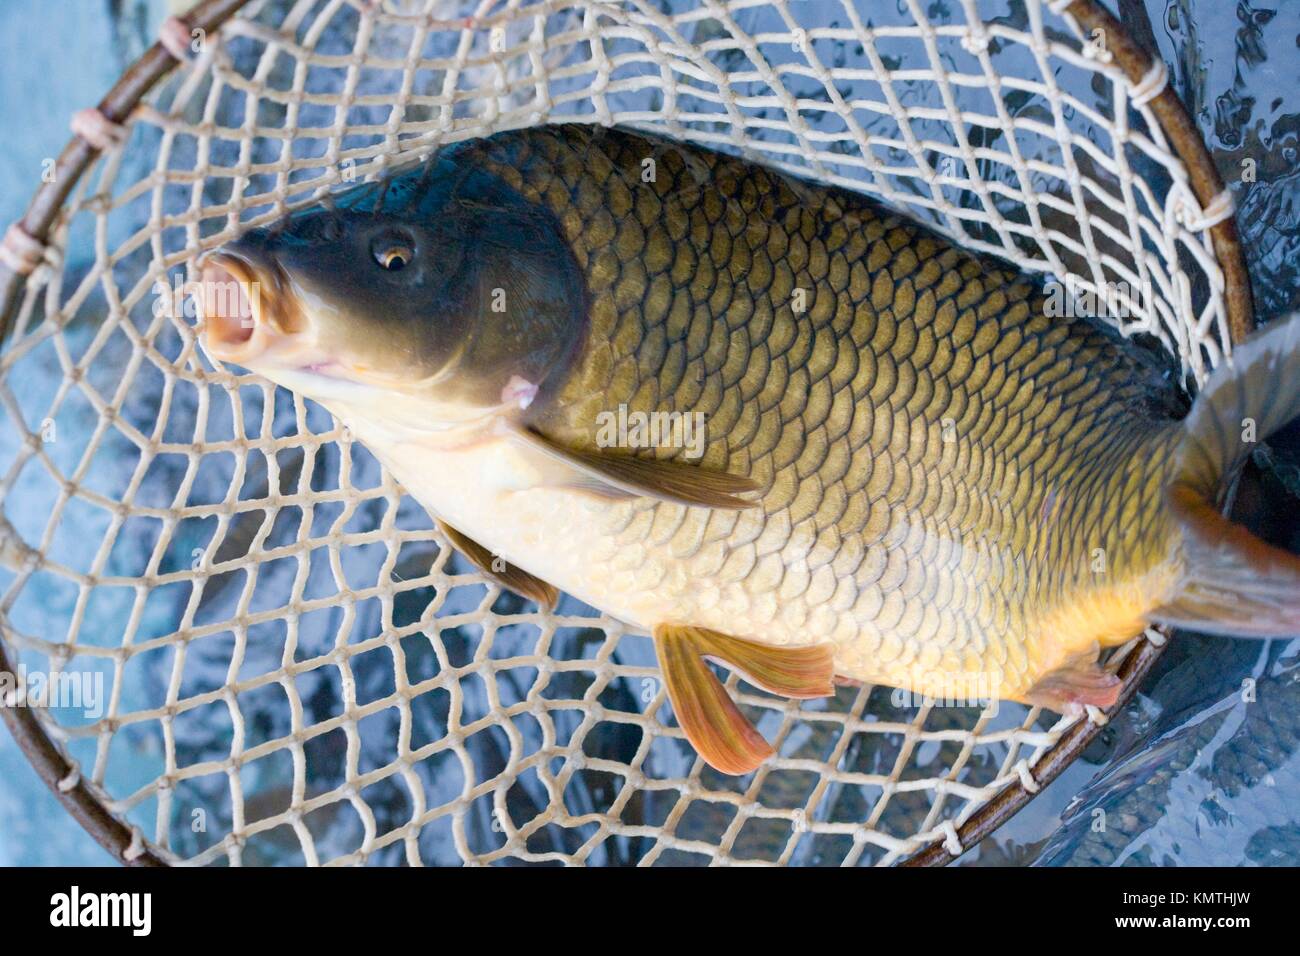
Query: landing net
(295, 666)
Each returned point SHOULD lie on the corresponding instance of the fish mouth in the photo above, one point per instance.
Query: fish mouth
(245, 306)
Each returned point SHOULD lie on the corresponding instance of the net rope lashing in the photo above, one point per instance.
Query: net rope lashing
(174, 35)
(97, 129)
(805, 152)
(21, 251)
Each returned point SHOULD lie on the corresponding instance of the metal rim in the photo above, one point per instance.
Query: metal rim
(82, 801)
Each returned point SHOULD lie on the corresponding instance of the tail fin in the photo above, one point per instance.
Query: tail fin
(1231, 582)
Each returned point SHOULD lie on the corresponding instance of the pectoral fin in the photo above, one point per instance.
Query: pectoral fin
(709, 717)
(617, 475)
(1074, 684)
(509, 576)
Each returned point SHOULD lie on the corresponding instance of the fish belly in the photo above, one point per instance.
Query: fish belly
(893, 618)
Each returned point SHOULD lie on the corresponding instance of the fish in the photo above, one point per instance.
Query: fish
(902, 470)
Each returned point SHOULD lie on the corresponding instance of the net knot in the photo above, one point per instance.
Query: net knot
(174, 35)
(20, 250)
(1096, 715)
(951, 842)
(1151, 85)
(68, 783)
(97, 129)
(975, 41)
(1156, 638)
(136, 848)
(1095, 48)
(1026, 778)
(1196, 219)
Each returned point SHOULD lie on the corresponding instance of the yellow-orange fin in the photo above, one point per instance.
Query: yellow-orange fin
(618, 475)
(1068, 688)
(1230, 582)
(708, 716)
(505, 574)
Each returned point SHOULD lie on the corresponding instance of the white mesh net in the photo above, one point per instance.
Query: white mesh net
(296, 667)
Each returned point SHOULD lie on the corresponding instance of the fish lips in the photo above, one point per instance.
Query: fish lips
(246, 304)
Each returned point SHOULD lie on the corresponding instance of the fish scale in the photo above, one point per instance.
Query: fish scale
(912, 475)
(906, 427)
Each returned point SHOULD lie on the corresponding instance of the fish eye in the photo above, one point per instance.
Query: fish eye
(393, 253)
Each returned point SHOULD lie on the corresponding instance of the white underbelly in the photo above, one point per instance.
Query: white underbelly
(502, 495)
(624, 557)
(647, 563)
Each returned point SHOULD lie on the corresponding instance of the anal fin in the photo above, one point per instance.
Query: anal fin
(509, 576)
(1073, 685)
(708, 716)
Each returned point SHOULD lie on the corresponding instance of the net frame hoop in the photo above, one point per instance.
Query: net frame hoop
(86, 804)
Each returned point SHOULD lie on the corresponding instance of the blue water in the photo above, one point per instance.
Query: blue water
(1203, 767)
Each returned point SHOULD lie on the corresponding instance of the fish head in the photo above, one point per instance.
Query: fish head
(444, 306)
